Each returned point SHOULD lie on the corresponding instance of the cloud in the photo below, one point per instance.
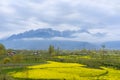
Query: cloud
(98, 17)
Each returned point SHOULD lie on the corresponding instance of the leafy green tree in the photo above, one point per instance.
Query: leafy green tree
(51, 50)
(2, 49)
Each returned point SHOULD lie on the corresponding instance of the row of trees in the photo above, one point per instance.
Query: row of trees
(51, 50)
(23, 55)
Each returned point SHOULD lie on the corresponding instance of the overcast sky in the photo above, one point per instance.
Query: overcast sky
(101, 18)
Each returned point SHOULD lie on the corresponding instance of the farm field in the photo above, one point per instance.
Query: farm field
(66, 71)
(55, 64)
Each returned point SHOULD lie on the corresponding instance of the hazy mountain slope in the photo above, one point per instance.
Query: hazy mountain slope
(18, 42)
(112, 44)
(44, 44)
(41, 33)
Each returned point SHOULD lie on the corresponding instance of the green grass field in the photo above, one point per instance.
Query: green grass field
(65, 71)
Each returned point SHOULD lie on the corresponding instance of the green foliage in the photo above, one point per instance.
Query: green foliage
(2, 49)
(91, 59)
(84, 51)
(6, 60)
(5, 77)
(51, 50)
(17, 58)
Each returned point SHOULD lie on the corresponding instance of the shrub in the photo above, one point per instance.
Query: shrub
(6, 60)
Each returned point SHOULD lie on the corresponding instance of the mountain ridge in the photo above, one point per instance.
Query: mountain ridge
(22, 40)
(42, 33)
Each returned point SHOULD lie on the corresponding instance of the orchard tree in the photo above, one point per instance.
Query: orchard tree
(2, 49)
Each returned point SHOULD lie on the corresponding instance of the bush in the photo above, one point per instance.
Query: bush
(6, 60)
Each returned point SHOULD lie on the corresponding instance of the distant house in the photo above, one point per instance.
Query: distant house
(35, 53)
(11, 53)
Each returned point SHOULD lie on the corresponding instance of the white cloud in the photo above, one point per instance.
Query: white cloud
(28, 39)
(96, 16)
(63, 27)
(5, 7)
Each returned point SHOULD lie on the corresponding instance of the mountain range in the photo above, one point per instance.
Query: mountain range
(41, 33)
(42, 38)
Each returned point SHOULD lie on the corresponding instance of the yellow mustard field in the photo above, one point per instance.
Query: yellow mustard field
(67, 71)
